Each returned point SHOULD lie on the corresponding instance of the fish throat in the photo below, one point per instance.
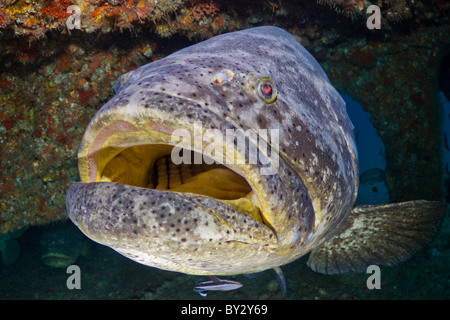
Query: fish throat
(151, 166)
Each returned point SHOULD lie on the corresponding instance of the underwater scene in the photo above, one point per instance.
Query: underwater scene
(224, 150)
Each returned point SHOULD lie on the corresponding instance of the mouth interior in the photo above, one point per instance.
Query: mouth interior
(151, 166)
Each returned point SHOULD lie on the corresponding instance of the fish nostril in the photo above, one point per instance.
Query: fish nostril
(223, 77)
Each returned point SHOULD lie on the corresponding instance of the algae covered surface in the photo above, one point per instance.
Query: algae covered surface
(53, 79)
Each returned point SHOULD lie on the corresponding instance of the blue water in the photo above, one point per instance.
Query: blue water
(370, 153)
(446, 133)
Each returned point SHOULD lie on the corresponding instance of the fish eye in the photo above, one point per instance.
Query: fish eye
(267, 90)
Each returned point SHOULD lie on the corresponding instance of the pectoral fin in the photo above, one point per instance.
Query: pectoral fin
(378, 234)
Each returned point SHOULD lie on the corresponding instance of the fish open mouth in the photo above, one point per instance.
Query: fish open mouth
(134, 198)
(151, 166)
(156, 170)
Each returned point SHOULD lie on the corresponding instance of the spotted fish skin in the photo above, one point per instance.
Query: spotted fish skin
(301, 205)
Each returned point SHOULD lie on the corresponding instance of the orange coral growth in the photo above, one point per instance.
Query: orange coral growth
(126, 13)
(57, 9)
(96, 60)
(85, 96)
(204, 8)
(64, 61)
(218, 23)
(24, 57)
(186, 20)
(29, 55)
(5, 18)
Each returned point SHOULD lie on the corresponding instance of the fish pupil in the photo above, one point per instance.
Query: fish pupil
(266, 89)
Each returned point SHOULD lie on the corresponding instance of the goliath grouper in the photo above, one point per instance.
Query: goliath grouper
(232, 217)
